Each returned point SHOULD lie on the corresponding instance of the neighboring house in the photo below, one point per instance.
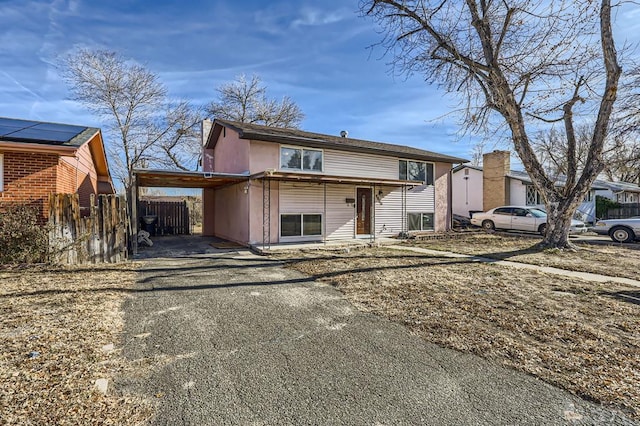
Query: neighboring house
(495, 184)
(37, 159)
(620, 192)
(302, 186)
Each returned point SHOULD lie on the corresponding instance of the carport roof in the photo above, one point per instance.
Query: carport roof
(320, 178)
(184, 179)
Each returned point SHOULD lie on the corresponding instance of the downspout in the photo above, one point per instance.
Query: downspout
(450, 199)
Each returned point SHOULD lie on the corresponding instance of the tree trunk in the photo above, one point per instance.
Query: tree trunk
(559, 216)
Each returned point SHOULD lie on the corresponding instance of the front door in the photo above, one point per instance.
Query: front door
(363, 211)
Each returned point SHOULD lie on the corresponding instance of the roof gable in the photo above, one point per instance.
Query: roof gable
(318, 140)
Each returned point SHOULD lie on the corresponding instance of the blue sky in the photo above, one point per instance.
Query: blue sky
(313, 51)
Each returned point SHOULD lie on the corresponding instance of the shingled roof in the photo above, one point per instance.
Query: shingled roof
(318, 140)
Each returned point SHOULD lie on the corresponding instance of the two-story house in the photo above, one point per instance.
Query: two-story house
(304, 186)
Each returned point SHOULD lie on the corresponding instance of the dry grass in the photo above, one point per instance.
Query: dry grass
(54, 331)
(581, 336)
(612, 260)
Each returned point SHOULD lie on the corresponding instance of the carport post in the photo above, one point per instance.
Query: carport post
(133, 219)
(324, 215)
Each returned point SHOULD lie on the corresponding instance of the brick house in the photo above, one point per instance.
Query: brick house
(37, 159)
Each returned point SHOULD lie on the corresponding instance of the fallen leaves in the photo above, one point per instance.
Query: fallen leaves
(59, 337)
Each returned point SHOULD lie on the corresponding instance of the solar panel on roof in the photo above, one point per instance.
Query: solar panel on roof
(59, 127)
(33, 134)
(34, 131)
(4, 130)
(20, 124)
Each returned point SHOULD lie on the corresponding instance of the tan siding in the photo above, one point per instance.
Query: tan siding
(421, 199)
(341, 163)
(301, 198)
(340, 222)
(309, 198)
(388, 211)
(340, 215)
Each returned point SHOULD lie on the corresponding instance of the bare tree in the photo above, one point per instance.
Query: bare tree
(143, 128)
(551, 147)
(179, 136)
(246, 101)
(623, 160)
(519, 63)
(476, 153)
(621, 153)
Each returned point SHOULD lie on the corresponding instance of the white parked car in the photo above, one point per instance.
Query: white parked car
(520, 218)
(620, 230)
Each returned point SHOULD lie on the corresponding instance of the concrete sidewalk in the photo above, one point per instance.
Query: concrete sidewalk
(586, 276)
(234, 338)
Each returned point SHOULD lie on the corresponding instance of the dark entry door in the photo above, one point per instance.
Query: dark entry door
(363, 211)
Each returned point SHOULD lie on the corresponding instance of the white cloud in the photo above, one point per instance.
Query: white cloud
(315, 17)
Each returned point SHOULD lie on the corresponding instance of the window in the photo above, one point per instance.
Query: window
(588, 197)
(507, 211)
(533, 196)
(416, 170)
(301, 159)
(300, 225)
(420, 221)
(520, 212)
(1, 172)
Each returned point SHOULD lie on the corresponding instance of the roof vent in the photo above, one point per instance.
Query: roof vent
(344, 133)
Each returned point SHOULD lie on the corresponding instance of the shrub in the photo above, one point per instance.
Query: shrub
(23, 238)
(603, 204)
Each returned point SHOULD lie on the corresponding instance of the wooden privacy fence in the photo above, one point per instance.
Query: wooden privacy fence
(623, 212)
(100, 237)
(172, 217)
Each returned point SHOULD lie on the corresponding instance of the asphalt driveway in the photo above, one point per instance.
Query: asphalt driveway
(228, 337)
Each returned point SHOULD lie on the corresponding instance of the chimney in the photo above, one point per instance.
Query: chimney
(495, 184)
(207, 154)
(206, 129)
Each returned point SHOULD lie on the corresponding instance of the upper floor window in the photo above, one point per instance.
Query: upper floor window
(416, 170)
(300, 159)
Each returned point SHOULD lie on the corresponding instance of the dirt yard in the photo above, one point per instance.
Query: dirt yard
(613, 259)
(580, 336)
(59, 332)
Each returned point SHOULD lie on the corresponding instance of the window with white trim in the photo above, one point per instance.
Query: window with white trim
(301, 225)
(416, 170)
(420, 221)
(302, 159)
(533, 196)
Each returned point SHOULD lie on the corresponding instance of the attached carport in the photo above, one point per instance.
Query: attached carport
(145, 178)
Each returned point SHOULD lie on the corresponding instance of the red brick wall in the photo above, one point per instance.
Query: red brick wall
(71, 179)
(29, 178)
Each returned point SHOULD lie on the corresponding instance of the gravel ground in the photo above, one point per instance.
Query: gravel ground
(59, 333)
(583, 337)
